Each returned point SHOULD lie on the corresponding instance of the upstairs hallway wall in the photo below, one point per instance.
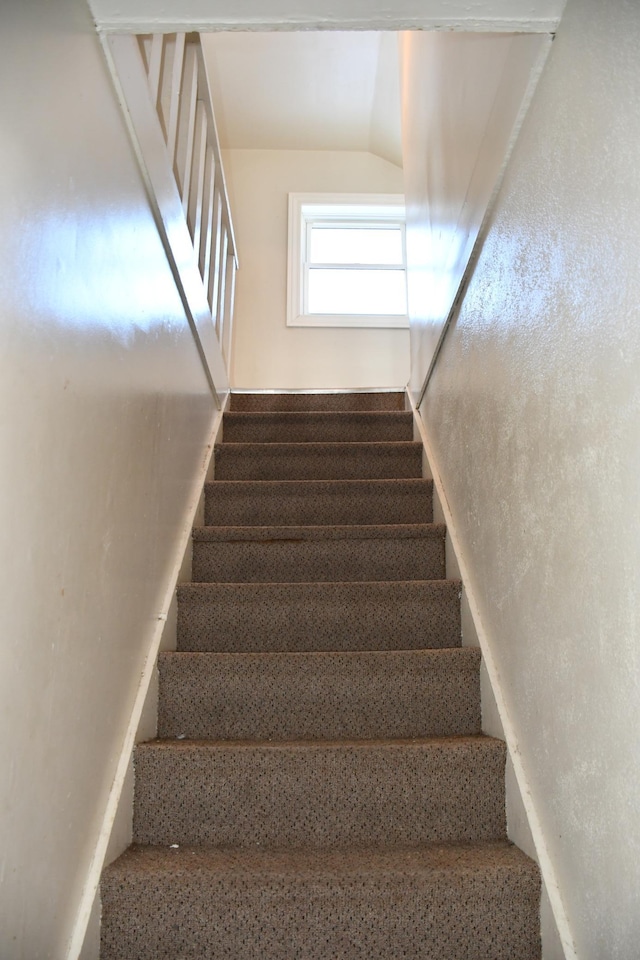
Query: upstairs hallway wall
(267, 353)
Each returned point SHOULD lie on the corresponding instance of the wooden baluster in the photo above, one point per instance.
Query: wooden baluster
(176, 86)
(224, 246)
(214, 273)
(194, 212)
(227, 317)
(155, 67)
(206, 233)
(186, 124)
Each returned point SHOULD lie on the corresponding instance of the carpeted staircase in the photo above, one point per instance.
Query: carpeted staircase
(320, 788)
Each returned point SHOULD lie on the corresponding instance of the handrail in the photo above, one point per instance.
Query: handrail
(163, 82)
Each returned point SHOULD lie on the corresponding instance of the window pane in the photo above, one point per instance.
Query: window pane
(356, 245)
(362, 292)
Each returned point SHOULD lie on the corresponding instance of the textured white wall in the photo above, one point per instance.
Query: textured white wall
(462, 94)
(534, 409)
(266, 353)
(104, 415)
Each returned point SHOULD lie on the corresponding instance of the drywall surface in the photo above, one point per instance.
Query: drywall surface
(518, 808)
(461, 97)
(266, 93)
(166, 15)
(534, 410)
(267, 353)
(105, 413)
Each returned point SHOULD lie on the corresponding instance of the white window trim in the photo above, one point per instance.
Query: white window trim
(351, 206)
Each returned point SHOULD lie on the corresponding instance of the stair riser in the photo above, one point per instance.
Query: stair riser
(477, 915)
(319, 696)
(254, 504)
(320, 795)
(318, 616)
(317, 427)
(318, 461)
(305, 560)
(317, 401)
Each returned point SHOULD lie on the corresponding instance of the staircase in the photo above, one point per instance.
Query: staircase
(320, 788)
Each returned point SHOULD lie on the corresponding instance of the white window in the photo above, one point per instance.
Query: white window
(347, 261)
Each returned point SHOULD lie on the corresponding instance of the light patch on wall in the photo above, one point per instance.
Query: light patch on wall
(73, 248)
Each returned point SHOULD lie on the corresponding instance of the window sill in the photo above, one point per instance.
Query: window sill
(346, 320)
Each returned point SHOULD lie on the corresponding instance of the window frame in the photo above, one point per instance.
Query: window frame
(344, 208)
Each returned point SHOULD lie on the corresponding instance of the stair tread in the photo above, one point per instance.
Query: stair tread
(339, 446)
(318, 553)
(488, 856)
(318, 416)
(479, 741)
(318, 426)
(384, 485)
(318, 502)
(328, 695)
(319, 615)
(477, 901)
(348, 401)
(319, 460)
(304, 792)
(370, 531)
(196, 590)
(463, 656)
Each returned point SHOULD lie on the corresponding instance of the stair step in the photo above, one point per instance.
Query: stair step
(317, 461)
(319, 793)
(295, 554)
(381, 400)
(286, 696)
(317, 427)
(317, 502)
(281, 617)
(476, 901)
(321, 788)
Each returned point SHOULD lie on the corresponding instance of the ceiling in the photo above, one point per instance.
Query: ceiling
(308, 90)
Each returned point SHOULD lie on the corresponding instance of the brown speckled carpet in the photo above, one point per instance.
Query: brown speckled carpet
(320, 788)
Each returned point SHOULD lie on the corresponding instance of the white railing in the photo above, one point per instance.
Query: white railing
(164, 89)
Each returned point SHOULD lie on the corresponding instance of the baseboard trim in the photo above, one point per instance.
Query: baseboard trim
(547, 868)
(96, 864)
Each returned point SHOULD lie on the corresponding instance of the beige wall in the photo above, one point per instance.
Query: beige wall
(267, 353)
(105, 414)
(534, 415)
(462, 94)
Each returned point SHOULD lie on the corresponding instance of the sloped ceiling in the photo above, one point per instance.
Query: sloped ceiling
(307, 91)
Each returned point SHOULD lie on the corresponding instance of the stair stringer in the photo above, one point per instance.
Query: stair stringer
(115, 827)
(523, 824)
